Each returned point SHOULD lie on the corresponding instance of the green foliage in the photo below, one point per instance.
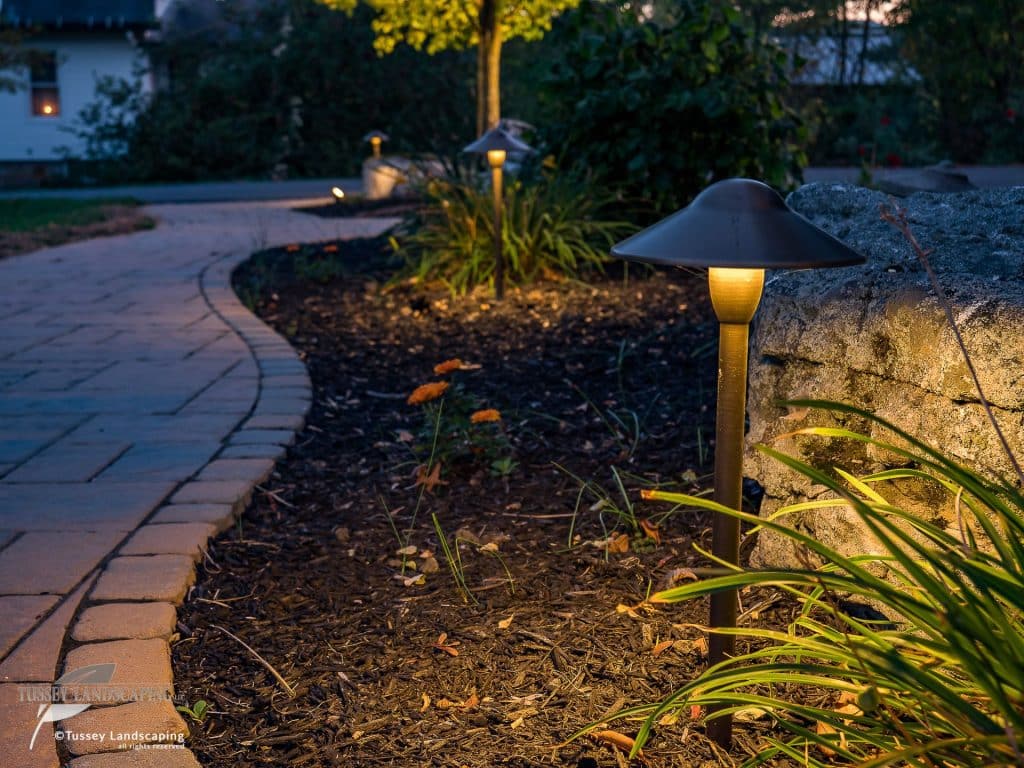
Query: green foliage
(940, 679)
(440, 25)
(971, 60)
(261, 96)
(197, 712)
(659, 111)
(553, 226)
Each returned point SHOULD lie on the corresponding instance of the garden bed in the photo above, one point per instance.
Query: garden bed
(390, 663)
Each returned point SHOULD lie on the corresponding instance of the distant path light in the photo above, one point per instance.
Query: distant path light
(338, 193)
(496, 144)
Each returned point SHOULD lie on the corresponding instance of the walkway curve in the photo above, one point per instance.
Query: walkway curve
(140, 403)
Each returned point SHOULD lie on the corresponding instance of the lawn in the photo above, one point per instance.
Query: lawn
(27, 224)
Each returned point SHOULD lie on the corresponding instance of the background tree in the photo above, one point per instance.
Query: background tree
(971, 60)
(660, 110)
(441, 25)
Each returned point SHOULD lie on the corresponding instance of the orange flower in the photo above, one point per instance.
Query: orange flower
(332, 248)
(447, 366)
(427, 392)
(291, 248)
(488, 414)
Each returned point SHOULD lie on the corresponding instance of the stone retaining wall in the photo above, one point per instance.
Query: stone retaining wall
(876, 337)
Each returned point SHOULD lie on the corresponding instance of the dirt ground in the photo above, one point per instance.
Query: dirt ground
(337, 574)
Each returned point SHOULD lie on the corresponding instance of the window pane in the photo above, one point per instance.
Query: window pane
(44, 68)
(45, 102)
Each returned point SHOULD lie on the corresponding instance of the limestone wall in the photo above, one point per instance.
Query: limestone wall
(875, 336)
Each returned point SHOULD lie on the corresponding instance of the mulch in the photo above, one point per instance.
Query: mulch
(391, 664)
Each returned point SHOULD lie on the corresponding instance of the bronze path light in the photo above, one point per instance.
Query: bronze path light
(496, 144)
(737, 228)
(376, 138)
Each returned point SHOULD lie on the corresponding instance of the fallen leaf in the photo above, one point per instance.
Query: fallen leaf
(429, 565)
(618, 543)
(749, 714)
(408, 551)
(701, 646)
(415, 580)
(465, 534)
(472, 702)
(796, 414)
(669, 719)
(623, 608)
(404, 436)
(516, 723)
(426, 703)
(429, 480)
(443, 645)
(651, 530)
(617, 740)
(490, 546)
(824, 729)
(661, 647)
(695, 711)
(677, 575)
(506, 623)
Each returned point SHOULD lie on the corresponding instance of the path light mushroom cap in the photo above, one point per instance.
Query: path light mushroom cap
(737, 223)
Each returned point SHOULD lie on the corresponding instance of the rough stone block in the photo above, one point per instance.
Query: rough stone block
(875, 336)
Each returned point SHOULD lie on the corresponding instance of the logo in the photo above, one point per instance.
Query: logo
(73, 686)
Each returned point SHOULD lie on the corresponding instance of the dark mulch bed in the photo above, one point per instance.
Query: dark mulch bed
(389, 672)
(391, 207)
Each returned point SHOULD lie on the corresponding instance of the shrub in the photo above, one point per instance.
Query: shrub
(939, 680)
(553, 227)
(660, 110)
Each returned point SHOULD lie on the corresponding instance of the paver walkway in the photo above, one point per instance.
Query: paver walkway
(139, 404)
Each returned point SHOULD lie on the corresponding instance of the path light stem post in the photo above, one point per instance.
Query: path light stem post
(735, 294)
(496, 159)
(496, 144)
(737, 228)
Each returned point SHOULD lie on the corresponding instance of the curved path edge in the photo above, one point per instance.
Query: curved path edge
(129, 616)
(140, 404)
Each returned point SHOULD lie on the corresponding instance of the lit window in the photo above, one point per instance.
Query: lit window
(45, 96)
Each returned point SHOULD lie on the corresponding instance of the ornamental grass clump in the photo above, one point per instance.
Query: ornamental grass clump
(554, 227)
(939, 681)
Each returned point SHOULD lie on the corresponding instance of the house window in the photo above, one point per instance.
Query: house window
(45, 96)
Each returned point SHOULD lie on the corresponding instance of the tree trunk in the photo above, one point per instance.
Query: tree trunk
(481, 86)
(494, 78)
(488, 61)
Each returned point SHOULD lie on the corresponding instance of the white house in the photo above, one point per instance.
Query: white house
(73, 42)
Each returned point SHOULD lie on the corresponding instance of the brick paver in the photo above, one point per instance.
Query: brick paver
(135, 390)
(116, 621)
